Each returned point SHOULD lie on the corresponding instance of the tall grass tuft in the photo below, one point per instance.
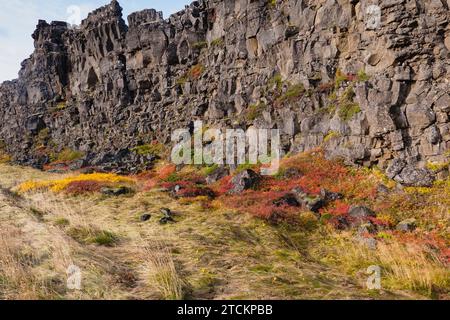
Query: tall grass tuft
(159, 271)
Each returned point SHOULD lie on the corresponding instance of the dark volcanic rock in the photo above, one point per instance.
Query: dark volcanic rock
(104, 88)
(166, 220)
(145, 217)
(360, 215)
(217, 175)
(407, 225)
(289, 200)
(116, 191)
(414, 177)
(244, 180)
(361, 212)
(166, 212)
(312, 203)
(167, 216)
(330, 196)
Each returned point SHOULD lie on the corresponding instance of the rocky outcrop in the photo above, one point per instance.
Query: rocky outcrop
(324, 72)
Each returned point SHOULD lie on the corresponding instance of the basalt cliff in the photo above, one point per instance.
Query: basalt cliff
(368, 81)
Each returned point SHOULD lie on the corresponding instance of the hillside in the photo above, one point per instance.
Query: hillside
(153, 243)
(91, 207)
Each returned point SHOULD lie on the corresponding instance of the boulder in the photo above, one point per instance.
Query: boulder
(407, 225)
(411, 176)
(395, 167)
(166, 220)
(329, 196)
(289, 200)
(166, 212)
(361, 212)
(244, 180)
(367, 228)
(167, 216)
(218, 174)
(383, 190)
(360, 215)
(145, 217)
(312, 203)
(119, 191)
(292, 173)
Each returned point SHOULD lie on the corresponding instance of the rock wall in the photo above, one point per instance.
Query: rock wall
(321, 71)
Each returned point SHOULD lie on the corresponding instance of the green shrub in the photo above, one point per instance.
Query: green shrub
(200, 45)
(348, 110)
(105, 238)
(69, 155)
(363, 76)
(331, 135)
(292, 93)
(154, 149)
(182, 80)
(340, 78)
(254, 111)
(347, 107)
(61, 105)
(272, 3)
(210, 169)
(217, 42)
(62, 222)
(277, 82)
(43, 136)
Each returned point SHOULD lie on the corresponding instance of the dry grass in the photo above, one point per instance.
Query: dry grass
(15, 278)
(211, 252)
(413, 266)
(159, 272)
(26, 273)
(405, 266)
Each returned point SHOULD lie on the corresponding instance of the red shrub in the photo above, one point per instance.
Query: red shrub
(338, 208)
(150, 184)
(223, 186)
(261, 205)
(166, 171)
(194, 191)
(82, 187)
(430, 239)
(189, 189)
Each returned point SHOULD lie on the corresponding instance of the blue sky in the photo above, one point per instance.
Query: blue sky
(18, 20)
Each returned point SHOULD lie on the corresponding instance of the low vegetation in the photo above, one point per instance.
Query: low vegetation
(87, 235)
(155, 149)
(252, 244)
(67, 155)
(77, 183)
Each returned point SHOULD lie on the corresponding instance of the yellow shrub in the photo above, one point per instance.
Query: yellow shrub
(381, 176)
(62, 184)
(4, 158)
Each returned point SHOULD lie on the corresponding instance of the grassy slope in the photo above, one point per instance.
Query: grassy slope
(210, 253)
